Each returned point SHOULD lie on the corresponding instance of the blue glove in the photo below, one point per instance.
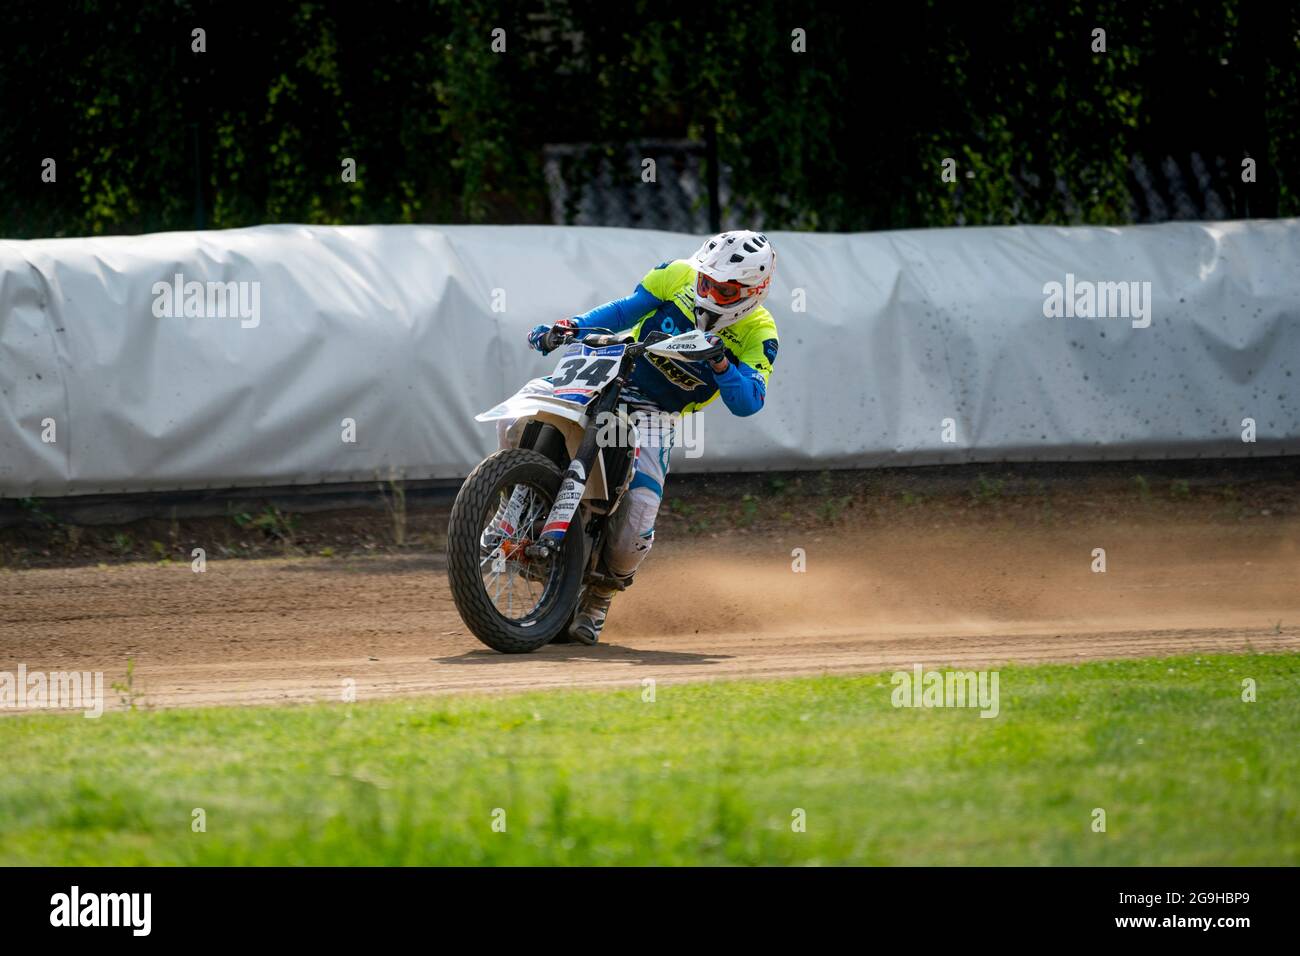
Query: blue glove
(547, 338)
(537, 338)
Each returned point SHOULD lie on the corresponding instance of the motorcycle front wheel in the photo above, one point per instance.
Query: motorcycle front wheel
(511, 602)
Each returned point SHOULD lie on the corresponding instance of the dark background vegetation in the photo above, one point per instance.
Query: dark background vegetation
(850, 135)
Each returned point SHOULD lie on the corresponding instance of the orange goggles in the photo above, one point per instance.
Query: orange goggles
(723, 293)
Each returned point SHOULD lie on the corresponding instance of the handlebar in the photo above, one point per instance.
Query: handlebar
(597, 341)
(593, 338)
(600, 337)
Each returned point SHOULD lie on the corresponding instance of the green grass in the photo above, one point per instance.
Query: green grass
(709, 773)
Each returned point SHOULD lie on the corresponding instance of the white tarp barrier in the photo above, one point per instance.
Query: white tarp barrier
(911, 347)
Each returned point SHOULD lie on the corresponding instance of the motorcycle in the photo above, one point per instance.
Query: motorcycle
(528, 524)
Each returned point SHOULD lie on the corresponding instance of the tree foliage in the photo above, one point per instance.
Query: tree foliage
(849, 134)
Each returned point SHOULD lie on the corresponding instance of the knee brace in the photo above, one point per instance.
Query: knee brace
(632, 532)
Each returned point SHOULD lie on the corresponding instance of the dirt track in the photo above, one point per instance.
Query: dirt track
(273, 631)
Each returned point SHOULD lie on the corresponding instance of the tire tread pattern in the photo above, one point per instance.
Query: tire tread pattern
(463, 572)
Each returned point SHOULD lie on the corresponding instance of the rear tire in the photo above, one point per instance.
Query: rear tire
(474, 505)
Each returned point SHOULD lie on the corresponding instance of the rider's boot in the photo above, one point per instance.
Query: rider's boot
(590, 617)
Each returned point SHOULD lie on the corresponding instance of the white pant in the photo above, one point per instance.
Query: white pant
(632, 527)
(631, 533)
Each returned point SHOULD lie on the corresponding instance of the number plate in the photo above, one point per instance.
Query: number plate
(584, 371)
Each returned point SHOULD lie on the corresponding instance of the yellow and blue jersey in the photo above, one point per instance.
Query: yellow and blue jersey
(664, 301)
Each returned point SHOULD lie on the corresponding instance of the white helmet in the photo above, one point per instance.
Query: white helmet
(733, 273)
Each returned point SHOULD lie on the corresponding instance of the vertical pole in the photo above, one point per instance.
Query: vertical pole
(199, 221)
(711, 161)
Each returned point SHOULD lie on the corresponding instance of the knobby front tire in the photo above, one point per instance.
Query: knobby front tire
(475, 503)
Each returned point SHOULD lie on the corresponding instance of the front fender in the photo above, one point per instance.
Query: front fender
(571, 420)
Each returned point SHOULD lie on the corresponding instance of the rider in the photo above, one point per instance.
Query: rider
(720, 291)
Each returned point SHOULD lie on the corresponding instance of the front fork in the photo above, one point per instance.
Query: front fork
(579, 471)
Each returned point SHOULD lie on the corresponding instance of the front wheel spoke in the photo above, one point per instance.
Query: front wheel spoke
(500, 568)
(533, 514)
